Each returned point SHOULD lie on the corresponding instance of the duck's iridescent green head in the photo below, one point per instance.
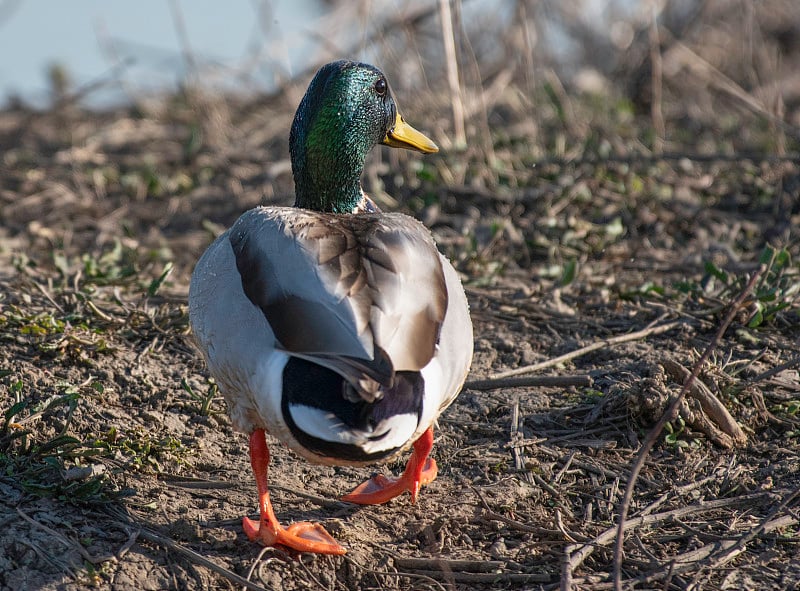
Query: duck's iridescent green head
(347, 109)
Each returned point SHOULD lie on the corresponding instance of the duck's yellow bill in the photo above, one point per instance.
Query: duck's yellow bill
(402, 135)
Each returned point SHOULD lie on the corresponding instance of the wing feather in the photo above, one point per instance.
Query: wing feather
(362, 294)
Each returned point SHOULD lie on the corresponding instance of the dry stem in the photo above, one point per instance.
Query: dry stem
(670, 412)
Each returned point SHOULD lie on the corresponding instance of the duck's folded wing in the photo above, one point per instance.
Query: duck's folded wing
(362, 294)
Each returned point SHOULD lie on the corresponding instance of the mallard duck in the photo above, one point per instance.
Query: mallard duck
(337, 328)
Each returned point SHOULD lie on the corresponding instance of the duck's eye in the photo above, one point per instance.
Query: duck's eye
(380, 86)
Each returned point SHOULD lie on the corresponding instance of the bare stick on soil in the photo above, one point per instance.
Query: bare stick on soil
(199, 559)
(724, 430)
(465, 571)
(633, 336)
(705, 557)
(652, 436)
(530, 381)
(792, 362)
(575, 554)
(769, 523)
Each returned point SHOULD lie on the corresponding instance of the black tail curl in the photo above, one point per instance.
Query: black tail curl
(308, 384)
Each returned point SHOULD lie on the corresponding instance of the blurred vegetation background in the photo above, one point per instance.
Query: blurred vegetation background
(520, 94)
(683, 63)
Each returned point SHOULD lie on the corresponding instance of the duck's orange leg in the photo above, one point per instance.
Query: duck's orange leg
(420, 470)
(302, 536)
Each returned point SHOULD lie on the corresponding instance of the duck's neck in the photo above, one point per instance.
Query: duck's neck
(328, 146)
(327, 180)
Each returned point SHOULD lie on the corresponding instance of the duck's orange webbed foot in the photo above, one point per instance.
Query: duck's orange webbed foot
(302, 536)
(420, 470)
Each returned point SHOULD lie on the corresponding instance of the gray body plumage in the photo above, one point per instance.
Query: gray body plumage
(366, 296)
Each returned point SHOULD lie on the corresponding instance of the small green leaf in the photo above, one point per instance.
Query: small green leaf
(187, 388)
(569, 272)
(15, 410)
(55, 443)
(767, 256)
(155, 284)
(650, 287)
(554, 98)
(783, 259)
(758, 316)
(715, 271)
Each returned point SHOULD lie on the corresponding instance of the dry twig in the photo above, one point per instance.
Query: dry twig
(64, 540)
(531, 381)
(452, 72)
(198, 559)
(769, 523)
(668, 414)
(731, 433)
(472, 566)
(575, 554)
(485, 578)
(633, 336)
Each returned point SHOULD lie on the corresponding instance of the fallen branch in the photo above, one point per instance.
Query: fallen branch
(792, 362)
(586, 466)
(715, 553)
(633, 336)
(72, 544)
(769, 523)
(471, 566)
(530, 381)
(725, 548)
(575, 554)
(709, 74)
(317, 500)
(682, 563)
(731, 433)
(654, 433)
(520, 461)
(756, 157)
(198, 559)
(484, 578)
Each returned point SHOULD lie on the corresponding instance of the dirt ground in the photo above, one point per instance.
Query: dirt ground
(120, 467)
